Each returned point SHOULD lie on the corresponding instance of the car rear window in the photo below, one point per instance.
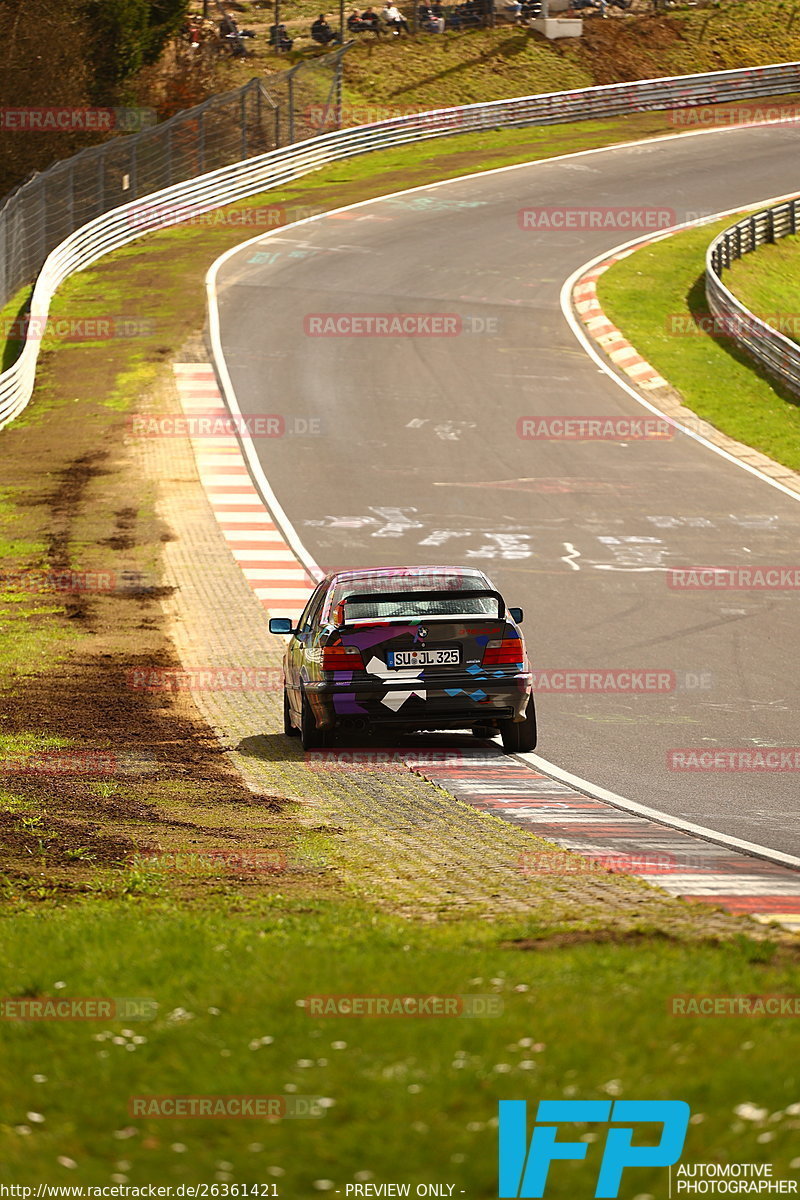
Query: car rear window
(436, 606)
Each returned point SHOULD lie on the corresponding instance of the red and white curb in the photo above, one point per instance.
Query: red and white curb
(269, 565)
(680, 863)
(610, 339)
(685, 866)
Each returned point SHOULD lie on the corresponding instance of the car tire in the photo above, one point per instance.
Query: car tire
(520, 736)
(311, 736)
(288, 727)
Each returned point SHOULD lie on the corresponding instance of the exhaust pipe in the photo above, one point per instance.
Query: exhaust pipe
(357, 724)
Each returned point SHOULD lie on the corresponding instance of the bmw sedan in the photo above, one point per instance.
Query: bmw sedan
(405, 649)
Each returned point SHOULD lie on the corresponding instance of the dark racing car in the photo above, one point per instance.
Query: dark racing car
(407, 649)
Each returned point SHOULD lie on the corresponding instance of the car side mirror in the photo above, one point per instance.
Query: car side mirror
(514, 613)
(280, 625)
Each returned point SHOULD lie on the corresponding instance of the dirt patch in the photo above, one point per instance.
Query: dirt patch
(628, 49)
(106, 788)
(596, 937)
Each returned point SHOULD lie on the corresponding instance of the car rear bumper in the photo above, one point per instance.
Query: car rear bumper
(416, 703)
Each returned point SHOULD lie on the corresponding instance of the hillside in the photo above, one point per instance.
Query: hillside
(462, 67)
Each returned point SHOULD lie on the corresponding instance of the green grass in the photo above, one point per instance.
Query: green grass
(656, 289)
(11, 315)
(768, 283)
(413, 1099)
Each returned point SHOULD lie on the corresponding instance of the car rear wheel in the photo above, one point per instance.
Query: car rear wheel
(520, 736)
(288, 727)
(310, 736)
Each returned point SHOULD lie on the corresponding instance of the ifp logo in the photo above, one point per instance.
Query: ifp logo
(524, 1168)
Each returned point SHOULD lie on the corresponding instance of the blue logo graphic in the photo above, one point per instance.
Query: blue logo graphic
(524, 1168)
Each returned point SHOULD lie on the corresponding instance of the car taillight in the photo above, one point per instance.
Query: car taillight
(342, 658)
(504, 652)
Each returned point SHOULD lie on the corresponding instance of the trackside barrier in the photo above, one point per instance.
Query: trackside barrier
(117, 227)
(768, 347)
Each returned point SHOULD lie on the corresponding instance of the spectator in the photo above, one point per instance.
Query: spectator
(371, 19)
(279, 38)
(356, 23)
(428, 20)
(394, 19)
(438, 15)
(321, 31)
(193, 30)
(511, 11)
(230, 32)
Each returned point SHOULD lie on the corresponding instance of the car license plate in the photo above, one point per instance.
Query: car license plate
(397, 659)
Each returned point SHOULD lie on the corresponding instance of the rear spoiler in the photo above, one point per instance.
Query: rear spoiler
(445, 594)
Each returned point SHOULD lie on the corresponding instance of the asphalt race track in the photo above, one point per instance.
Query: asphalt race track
(416, 458)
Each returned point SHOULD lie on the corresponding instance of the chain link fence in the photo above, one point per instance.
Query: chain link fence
(254, 119)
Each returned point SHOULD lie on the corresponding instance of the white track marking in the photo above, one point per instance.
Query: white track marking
(653, 814)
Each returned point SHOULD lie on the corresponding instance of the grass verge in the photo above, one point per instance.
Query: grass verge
(768, 283)
(651, 296)
(587, 1020)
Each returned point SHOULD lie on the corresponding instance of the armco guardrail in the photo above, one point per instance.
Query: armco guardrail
(770, 349)
(128, 222)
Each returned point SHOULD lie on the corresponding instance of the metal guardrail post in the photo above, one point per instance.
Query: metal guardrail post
(71, 196)
(101, 183)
